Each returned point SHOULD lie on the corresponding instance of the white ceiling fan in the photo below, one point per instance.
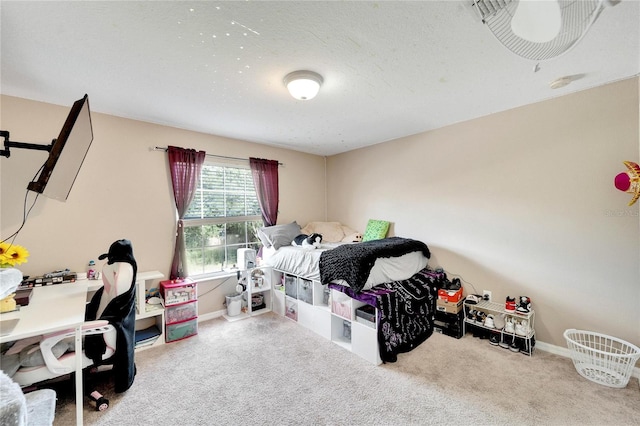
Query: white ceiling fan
(540, 29)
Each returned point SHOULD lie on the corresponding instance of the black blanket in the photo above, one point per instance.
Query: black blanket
(405, 311)
(353, 262)
(406, 314)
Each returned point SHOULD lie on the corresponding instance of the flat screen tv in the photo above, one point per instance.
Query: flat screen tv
(67, 154)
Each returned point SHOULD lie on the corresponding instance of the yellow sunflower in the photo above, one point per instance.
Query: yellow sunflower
(12, 255)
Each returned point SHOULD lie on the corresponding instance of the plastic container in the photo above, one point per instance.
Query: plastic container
(234, 304)
(92, 273)
(600, 358)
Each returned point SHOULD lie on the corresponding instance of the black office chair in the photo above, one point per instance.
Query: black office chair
(109, 330)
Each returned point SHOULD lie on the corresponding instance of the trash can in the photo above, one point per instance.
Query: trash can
(234, 304)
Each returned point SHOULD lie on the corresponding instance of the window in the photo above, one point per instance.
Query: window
(223, 217)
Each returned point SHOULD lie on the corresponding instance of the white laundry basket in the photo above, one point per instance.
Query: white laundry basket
(600, 358)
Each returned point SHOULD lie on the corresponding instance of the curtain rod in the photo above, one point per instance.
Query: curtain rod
(159, 148)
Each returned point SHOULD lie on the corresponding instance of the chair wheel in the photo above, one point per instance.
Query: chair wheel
(102, 404)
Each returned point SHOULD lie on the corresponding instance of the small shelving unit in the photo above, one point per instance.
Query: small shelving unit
(259, 297)
(258, 290)
(148, 315)
(497, 309)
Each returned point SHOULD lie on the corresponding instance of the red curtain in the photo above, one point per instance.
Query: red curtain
(185, 166)
(265, 179)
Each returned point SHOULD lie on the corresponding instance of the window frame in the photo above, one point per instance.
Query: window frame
(194, 222)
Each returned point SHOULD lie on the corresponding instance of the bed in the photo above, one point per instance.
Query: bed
(306, 263)
(390, 274)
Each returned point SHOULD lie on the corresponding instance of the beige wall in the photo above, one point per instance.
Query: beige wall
(124, 190)
(521, 202)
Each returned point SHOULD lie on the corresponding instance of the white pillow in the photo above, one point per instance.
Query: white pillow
(331, 231)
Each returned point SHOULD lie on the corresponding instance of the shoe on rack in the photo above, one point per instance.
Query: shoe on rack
(494, 339)
(488, 321)
(503, 343)
(472, 299)
(510, 304)
(526, 347)
(524, 305)
(522, 328)
(471, 315)
(480, 317)
(514, 346)
(508, 326)
(477, 331)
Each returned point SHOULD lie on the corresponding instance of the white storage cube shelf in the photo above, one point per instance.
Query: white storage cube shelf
(329, 313)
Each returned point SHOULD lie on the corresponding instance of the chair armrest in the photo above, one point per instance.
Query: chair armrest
(47, 343)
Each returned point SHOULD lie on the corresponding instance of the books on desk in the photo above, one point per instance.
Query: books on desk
(148, 336)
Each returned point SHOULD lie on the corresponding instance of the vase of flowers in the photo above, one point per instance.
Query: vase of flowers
(10, 277)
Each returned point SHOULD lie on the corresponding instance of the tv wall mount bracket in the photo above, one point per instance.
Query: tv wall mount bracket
(10, 144)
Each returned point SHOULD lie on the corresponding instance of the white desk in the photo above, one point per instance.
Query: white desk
(54, 308)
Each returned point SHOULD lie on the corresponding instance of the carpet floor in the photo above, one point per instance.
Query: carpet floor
(267, 370)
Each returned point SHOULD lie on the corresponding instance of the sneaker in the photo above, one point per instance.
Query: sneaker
(455, 284)
(526, 347)
(477, 332)
(508, 326)
(503, 343)
(514, 346)
(480, 317)
(522, 328)
(471, 315)
(472, 299)
(494, 339)
(488, 321)
(510, 304)
(524, 305)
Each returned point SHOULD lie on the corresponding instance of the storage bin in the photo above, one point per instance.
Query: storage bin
(182, 312)
(600, 358)
(326, 291)
(341, 304)
(178, 291)
(305, 291)
(290, 286)
(291, 308)
(346, 330)
(182, 330)
(366, 315)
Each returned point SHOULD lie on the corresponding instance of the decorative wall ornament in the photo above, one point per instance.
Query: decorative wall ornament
(629, 181)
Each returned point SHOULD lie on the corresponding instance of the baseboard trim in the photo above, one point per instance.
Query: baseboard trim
(562, 351)
(211, 315)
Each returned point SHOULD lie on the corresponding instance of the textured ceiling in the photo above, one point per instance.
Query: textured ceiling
(390, 69)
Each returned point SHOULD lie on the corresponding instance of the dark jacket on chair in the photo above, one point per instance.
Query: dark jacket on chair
(121, 313)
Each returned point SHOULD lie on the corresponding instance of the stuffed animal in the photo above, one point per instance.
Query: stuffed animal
(356, 237)
(307, 241)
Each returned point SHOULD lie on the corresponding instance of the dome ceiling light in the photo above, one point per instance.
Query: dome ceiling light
(303, 85)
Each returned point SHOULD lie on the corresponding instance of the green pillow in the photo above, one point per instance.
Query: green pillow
(376, 230)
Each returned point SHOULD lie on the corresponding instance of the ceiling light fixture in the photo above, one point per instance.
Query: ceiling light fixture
(303, 85)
